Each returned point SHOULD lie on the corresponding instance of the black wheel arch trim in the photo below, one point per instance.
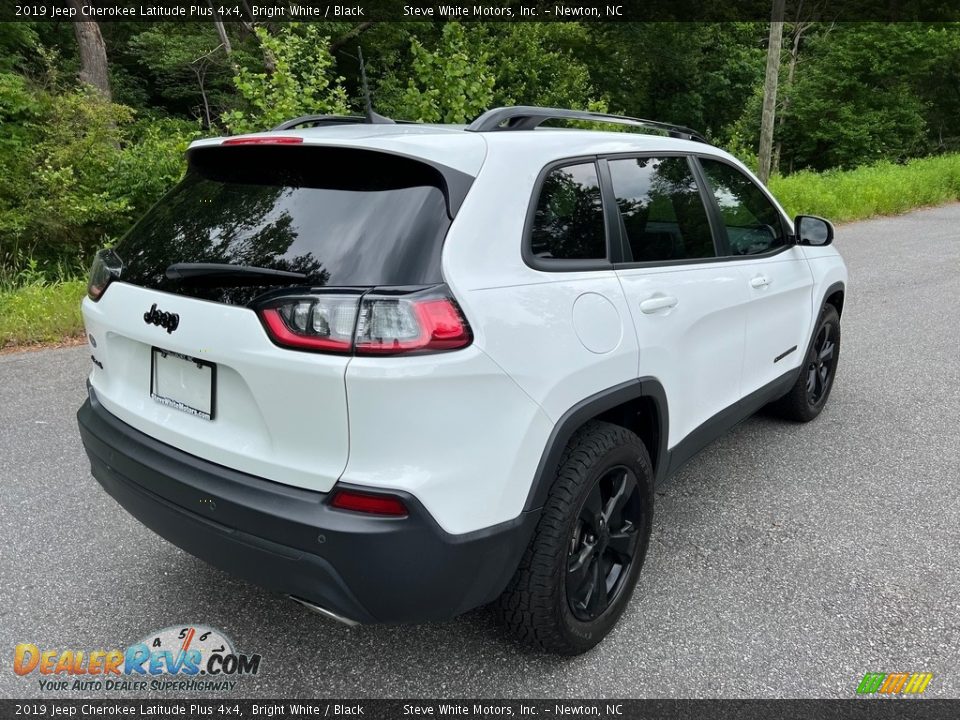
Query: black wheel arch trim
(837, 286)
(587, 409)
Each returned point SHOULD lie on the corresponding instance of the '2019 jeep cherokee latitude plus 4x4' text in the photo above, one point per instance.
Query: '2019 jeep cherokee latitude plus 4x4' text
(397, 371)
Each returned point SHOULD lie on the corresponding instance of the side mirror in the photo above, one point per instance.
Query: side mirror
(813, 230)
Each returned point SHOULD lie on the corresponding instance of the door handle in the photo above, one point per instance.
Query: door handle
(760, 281)
(660, 302)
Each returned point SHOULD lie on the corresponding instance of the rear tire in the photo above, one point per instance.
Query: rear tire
(809, 394)
(579, 571)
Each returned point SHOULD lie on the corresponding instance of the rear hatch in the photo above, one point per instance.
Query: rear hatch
(180, 352)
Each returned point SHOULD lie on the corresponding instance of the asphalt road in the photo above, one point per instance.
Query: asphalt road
(786, 560)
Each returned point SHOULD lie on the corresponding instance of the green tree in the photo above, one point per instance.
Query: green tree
(936, 80)
(537, 64)
(855, 99)
(465, 70)
(302, 80)
(93, 168)
(188, 72)
(452, 83)
(695, 74)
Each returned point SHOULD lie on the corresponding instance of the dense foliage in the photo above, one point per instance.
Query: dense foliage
(79, 166)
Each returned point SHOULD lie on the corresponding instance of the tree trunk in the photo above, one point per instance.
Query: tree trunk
(94, 70)
(221, 29)
(201, 73)
(224, 38)
(770, 90)
(798, 30)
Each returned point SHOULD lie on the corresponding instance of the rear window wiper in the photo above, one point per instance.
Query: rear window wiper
(187, 271)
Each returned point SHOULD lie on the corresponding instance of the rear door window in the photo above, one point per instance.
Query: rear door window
(661, 209)
(343, 217)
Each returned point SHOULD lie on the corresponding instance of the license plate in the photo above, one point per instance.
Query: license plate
(183, 383)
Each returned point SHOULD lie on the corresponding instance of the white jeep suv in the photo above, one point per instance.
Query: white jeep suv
(397, 371)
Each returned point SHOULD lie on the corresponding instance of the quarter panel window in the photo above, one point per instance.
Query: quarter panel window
(661, 209)
(751, 221)
(568, 223)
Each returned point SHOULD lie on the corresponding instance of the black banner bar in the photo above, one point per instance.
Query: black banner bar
(907, 709)
(477, 11)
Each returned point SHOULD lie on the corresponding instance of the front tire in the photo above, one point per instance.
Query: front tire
(579, 571)
(809, 394)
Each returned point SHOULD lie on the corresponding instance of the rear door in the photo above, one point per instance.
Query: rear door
(778, 279)
(184, 356)
(688, 307)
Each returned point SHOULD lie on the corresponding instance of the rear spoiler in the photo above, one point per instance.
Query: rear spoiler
(454, 183)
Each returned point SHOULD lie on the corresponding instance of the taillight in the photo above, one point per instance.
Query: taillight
(318, 322)
(106, 267)
(377, 323)
(389, 326)
(371, 503)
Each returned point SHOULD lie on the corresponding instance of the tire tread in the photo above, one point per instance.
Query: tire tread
(528, 605)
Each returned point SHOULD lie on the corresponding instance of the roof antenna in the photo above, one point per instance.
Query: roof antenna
(372, 117)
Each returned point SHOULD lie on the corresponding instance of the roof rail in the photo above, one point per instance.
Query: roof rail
(528, 117)
(320, 120)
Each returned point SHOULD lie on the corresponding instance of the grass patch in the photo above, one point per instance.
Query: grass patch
(882, 189)
(40, 312)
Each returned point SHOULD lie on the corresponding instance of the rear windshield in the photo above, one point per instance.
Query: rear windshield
(343, 217)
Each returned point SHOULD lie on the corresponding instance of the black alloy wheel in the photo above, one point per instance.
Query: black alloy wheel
(603, 543)
(820, 364)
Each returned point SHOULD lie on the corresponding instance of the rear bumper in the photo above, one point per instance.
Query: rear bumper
(287, 539)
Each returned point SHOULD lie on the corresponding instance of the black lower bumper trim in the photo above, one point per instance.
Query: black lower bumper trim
(363, 568)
